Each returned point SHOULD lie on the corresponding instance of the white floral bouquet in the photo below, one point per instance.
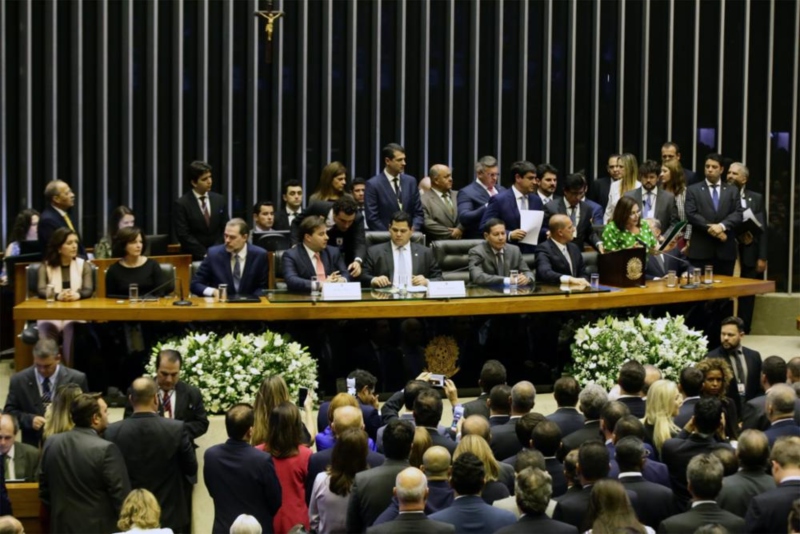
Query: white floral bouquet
(601, 348)
(230, 369)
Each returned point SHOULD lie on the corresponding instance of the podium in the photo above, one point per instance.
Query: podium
(623, 268)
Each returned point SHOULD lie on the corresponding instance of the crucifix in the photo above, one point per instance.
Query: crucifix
(271, 17)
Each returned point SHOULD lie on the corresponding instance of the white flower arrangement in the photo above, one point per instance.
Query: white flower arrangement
(230, 369)
(601, 348)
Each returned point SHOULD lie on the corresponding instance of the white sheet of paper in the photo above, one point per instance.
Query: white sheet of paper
(531, 222)
(748, 214)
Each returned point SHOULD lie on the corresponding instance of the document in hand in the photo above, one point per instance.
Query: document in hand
(531, 222)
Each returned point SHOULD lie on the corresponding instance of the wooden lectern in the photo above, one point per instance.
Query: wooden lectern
(624, 268)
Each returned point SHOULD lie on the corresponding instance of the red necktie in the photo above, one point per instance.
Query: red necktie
(206, 215)
(167, 403)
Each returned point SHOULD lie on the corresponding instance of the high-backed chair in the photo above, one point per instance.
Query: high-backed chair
(590, 261)
(276, 270)
(157, 245)
(272, 241)
(193, 270)
(452, 255)
(376, 238)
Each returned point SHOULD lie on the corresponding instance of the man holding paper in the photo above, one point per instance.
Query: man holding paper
(313, 258)
(520, 208)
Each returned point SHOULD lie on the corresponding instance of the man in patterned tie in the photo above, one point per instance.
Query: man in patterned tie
(60, 199)
(199, 216)
(439, 207)
(313, 258)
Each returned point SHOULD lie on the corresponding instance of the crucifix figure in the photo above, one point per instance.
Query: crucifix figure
(271, 17)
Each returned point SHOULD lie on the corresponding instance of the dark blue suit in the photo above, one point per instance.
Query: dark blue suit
(700, 212)
(568, 420)
(769, 512)
(472, 201)
(298, 268)
(49, 221)
(216, 270)
(440, 496)
(241, 479)
(504, 206)
(470, 514)
(380, 202)
(551, 263)
(784, 427)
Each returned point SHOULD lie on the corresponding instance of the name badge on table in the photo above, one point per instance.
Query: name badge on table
(453, 288)
(337, 291)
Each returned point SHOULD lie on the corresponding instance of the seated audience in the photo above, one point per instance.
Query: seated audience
(781, 402)
(21, 460)
(493, 489)
(263, 218)
(121, 217)
(690, 386)
(141, 513)
(717, 374)
(493, 373)
(751, 479)
(631, 383)
(200, 215)
(559, 260)
(314, 258)
(133, 267)
(58, 418)
(663, 404)
(273, 392)
(246, 524)
(625, 229)
(332, 183)
(591, 400)
(532, 494)
(768, 512)
(491, 262)
(25, 228)
(566, 416)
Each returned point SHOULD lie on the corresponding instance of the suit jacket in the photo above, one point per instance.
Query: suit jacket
(599, 189)
(49, 221)
(380, 262)
(551, 263)
(470, 514)
(477, 406)
(26, 461)
(352, 243)
(573, 507)
(282, 219)
(754, 414)
(83, 482)
(298, 267)
(585, 233)
(752, 389)
(676, 453)
(371, 493)
(472, 201)
(189, 224)
(590, 430)
(568, 420)
(188, 408)
(438, 218)
(504, 206)
(656, 502)
(241, 480)
(700, 213)
(411, 522)
(440, 496)
(5, 503)
(159, 457)
(769, 512)
(757, 249)
(483, 264)
(685, 412)
(442, 441)
(739, 488)
(380, 202)
(25, 402)
(666, 211)
(786, 427)
(700, 515)
(504, 439)
(635, 404)
(319, 461)
(216, 270)
(372, 419)
(538, 523)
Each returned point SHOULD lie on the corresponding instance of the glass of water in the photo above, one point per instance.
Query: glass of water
(223, 292)
(50, 293)
(513, 277)
(133, 293)
(316, 286)
(708, 277)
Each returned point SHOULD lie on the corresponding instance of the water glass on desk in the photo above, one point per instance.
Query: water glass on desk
(223, 292)
(50, 293)
(708, 277)
(595, 281)
(513, 279)
(133, 293)
(672, 278)
(316, 287)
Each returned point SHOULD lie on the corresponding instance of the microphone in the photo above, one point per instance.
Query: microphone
(182, 301)
(157, 288)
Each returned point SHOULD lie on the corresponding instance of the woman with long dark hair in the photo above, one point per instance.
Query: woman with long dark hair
(25, 228)
(626, 230)
(610, 510)
(121, 217)
(332, 183)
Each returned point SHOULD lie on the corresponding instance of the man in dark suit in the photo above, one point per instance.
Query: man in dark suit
(364, 384)
(656, 502)
(263, 217)
(670, 151)
(752, 451)
(600, 187)
(653, 201)
(60, 199)
(21, 460)
(313, 258)
(5, 503)
(690, 385)
(292, 205)
(559, 260)
(393, 264)
(504, 437)
(769, 511)
(714, 210)
(566, 416)
(371, 492)
(32, 389)
(411, 490)
(392, 190)
(752, 246)
(491, 262)
(83, 480)
(704, 474)
(469, 513)
(773, 372)
(439, 208)
(546, 182)
(780, 410)
(631, 383)
(473, 199)
(533, 492)
(345, 230)
(158, 454)
(493, 373)
(427, 414)
(545, 437)
(240, 478)
(200, 215)
(242, 266)
(575, 207)
(652, 470)
(592, 400)
(506, 206)
(593, 465)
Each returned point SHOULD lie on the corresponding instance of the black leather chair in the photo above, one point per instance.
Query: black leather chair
(168, 274)
(157, 245)
(276, 271)
(273, 241)
(376, 238)
(452, 255)
(590, 261)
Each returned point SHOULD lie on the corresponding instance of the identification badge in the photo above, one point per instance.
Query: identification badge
(740, 387)
(339, 241)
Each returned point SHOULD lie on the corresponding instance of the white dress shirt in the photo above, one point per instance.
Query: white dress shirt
(408, 264)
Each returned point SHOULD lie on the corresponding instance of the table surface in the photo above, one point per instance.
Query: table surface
(302, 307)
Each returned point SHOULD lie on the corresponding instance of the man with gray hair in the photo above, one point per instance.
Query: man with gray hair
(473, 199)
(752, 452)
(704, 475)
(780, 407)
(411, 491)
(439, 207)
(769, 511)
(533, 489)
(591, 402)
(504, 437)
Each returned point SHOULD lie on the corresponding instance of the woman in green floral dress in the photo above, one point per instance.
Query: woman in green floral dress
(625, 229)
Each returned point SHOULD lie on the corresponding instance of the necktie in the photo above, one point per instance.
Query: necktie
(6, 467)
(448, 202)
(738, 368)
(565, 251)
(572, 214)
(715, 196)
(396, 183)
(46, 393)
(523, 203)
(292, 215)
(320, 267)
(501, 264)
(166, 402)
(69, 222)
(204, 207)
(402, 275)
(237, 272)
(648, 205)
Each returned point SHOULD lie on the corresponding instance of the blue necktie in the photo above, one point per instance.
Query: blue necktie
(46, 393)
(715, 196)
(237, 272)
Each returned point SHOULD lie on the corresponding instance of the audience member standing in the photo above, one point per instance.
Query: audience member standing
(663, 404)
(532, 493)
(591, 399)
(473, 199)
(58, 418)
(610, 510)
(656, 502)
(717, 376)
(769, 511)
(738, 490)
(141, 513)
(745, 363)
(121, 217)
(441, 215)
(780, 410)
(200, 215)
(59, 199)
(754, 414)
(493, 373)
(566, 416)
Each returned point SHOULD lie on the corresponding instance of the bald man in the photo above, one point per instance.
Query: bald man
(23, 459)
(559, 260)
(439, 206)
(343, 418)
(477, 425)
(411, 492)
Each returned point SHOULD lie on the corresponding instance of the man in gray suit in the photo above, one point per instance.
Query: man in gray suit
(654, 202)
(491, 262)
(751, 479)
(398, 261)
(440, 207)
(32, 389)
(372, 489)
(23, 460)
(83, 480)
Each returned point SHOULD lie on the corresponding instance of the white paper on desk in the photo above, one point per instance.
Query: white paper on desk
(531, 222)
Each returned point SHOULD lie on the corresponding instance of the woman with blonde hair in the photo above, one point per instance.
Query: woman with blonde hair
(332, 183)
(663, 404)
(629, 172)
(717, 376)
(58, 418)
(493, 489)
(272, 392)
(141, 513)
(610, 510)
(422, 442)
